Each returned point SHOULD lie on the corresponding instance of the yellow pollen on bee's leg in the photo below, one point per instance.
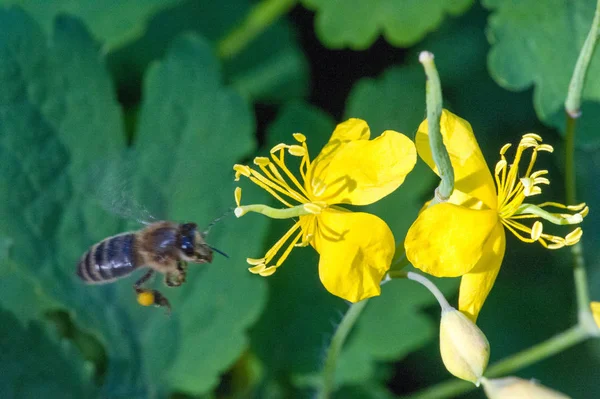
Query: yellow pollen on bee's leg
(145, 298)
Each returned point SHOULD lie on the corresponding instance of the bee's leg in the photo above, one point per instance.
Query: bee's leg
(147, 297)
(175, 279)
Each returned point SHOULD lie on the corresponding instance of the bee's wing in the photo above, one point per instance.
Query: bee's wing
(112, 186)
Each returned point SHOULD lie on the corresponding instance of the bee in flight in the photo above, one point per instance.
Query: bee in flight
(164, 247)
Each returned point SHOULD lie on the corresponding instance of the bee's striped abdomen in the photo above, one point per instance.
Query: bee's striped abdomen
(108, 260)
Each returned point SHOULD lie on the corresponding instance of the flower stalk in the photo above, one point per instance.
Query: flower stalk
(573, 110)
(260, 17)
(573, 101)
(434, 113)
(335, 347)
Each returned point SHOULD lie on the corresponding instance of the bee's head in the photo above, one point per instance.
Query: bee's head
(192, 244)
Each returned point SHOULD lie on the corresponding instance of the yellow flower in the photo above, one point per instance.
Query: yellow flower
(465, 235)
(355, 248)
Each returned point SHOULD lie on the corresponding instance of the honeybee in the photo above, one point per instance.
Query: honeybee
(163, 246)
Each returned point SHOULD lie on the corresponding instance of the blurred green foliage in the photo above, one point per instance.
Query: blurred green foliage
(124, 103)
(544, 57)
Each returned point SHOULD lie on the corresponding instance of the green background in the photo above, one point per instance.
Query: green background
(110, 106)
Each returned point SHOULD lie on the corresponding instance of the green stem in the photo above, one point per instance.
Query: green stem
(573, 101)
(273, 213)
(258, 19)
(580, 275)
(337, 342)
(551, 217)
(436, 141)
(550, 347)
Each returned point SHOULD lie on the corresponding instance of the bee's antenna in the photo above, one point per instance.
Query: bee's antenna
(211, 224)
(219, 251)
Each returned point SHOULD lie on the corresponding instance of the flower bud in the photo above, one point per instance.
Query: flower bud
(517, 388)
(465, 349)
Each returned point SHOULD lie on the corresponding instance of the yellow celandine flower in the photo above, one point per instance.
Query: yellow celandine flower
(355, 248)
(464, 236)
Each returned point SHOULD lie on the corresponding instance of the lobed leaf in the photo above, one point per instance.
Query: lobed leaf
(35, 364)
(59, 120)
(358, 23)
(114, 23)
(272, 68)
(537, 44)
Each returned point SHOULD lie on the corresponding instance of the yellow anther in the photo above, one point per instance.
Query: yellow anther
(584, 212)
(545, 147)
(527, 142)
(577, 207)
(254, 262)
(556, 245)
(296, 150)
(278, 147)
(533, 136)
(241, 170)
(257, 269)
(541, 180)
(500, 165)
(505, 148)
(538, 173)
(268, 272)
(237, 194)
(145, 298)
(573, 237)
(536, 230)
(262, 161)
(299, 137)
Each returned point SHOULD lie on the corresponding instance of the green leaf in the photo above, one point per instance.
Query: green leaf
(358, 23)
(59, 121)
(35, 364)
(210, 128)
(114, 23)
(537, 44)
(272, 68)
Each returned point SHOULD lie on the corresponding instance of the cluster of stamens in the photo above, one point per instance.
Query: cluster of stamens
(513, 190)
(287, 190)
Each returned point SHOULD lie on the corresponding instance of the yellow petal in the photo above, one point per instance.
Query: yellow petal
(356, 250)
(447, 240)
(476, 285)
(473, 180)
(350, 130)
(596, 312)
(360, 172)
